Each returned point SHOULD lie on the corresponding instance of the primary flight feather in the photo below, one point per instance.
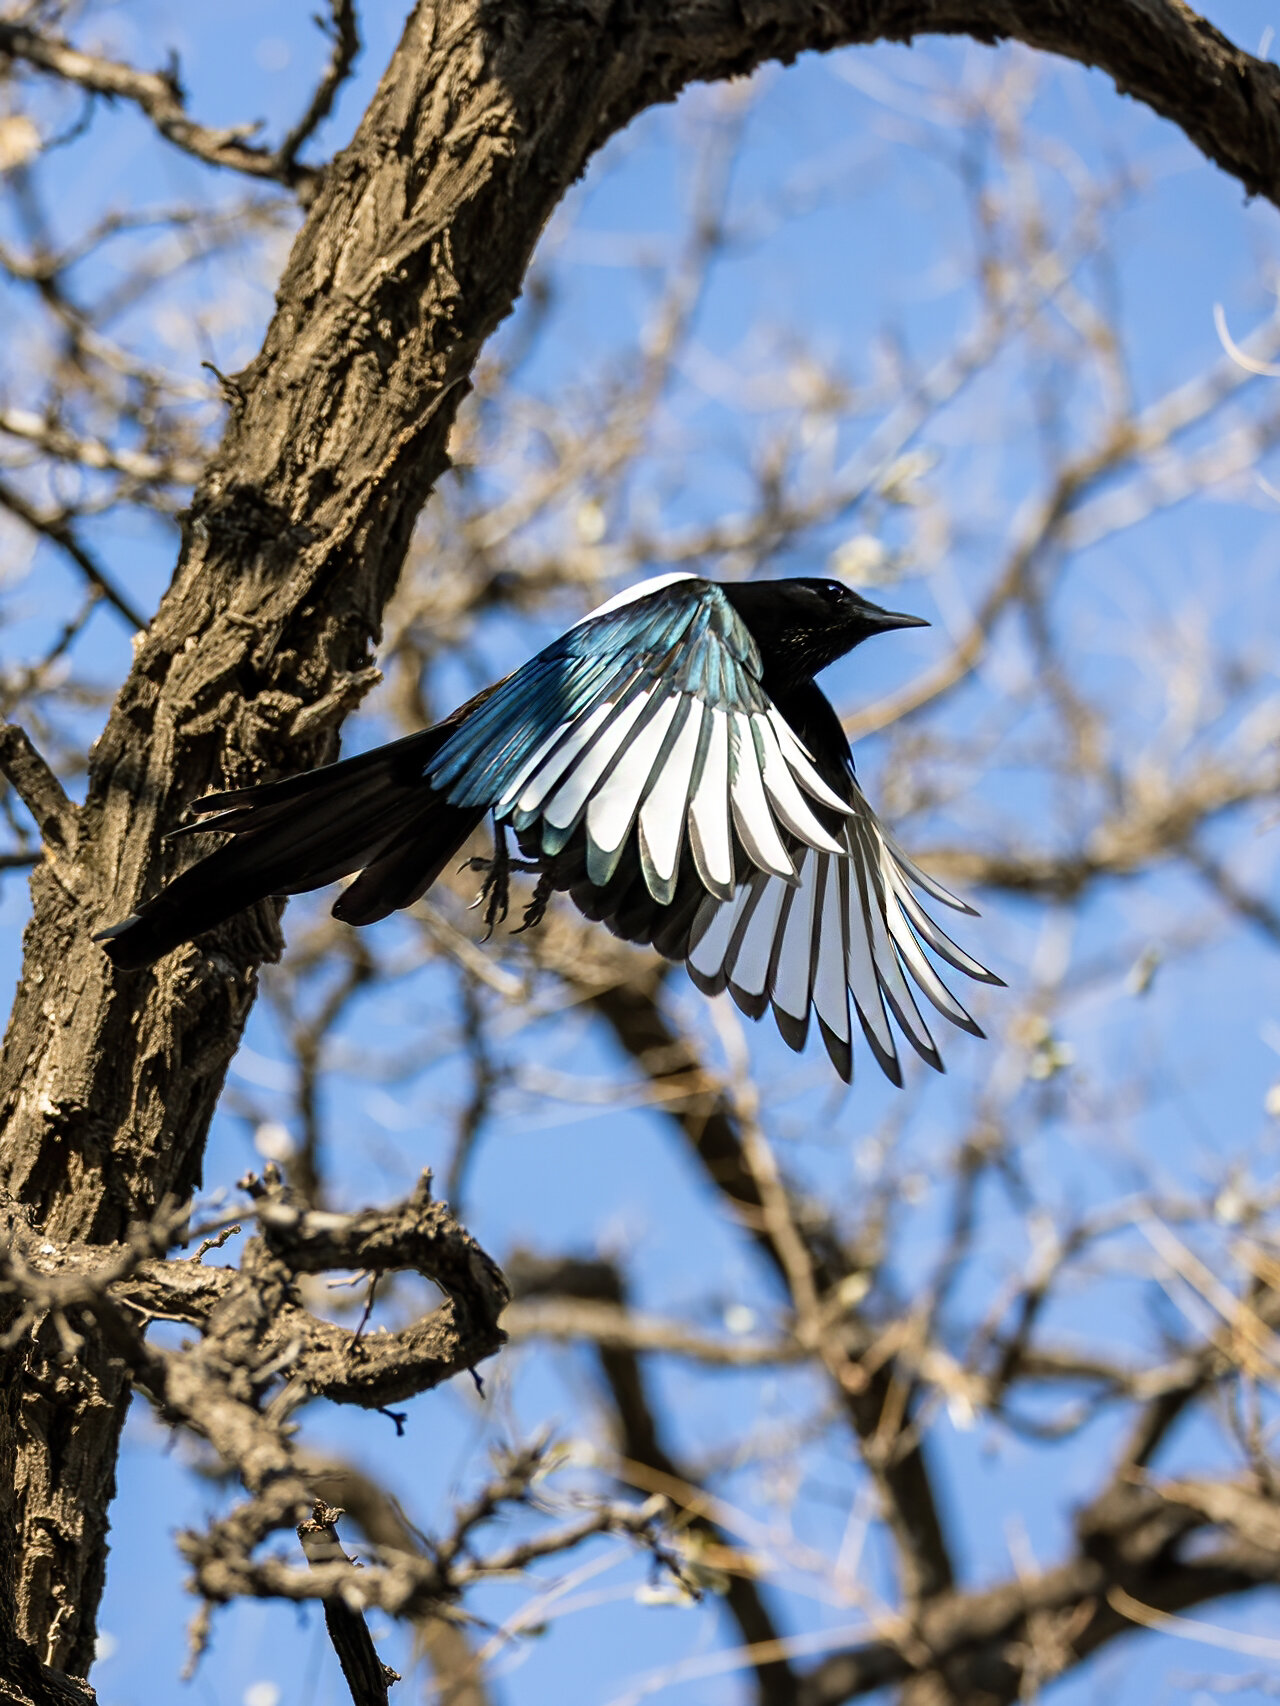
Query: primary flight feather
(671, 764)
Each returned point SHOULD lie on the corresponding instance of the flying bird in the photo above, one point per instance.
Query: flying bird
(671, 763)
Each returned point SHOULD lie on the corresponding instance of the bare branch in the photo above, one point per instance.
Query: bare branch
(708, 1121)
(159, 94)
(38, 789)
(65, 446)
(612, 1327)
(60, 532)
(641, 1446)
(344, 31)
(367, 1677)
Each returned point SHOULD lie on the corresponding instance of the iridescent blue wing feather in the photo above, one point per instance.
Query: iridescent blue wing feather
(648, 719)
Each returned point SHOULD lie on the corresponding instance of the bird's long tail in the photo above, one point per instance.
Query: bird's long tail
(373, 814)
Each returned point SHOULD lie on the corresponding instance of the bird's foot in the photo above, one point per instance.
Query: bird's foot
(495, 890)
(536, 910)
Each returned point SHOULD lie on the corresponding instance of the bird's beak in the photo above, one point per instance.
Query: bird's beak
(893, 618)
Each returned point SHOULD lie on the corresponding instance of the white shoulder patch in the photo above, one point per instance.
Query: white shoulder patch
(630, 594)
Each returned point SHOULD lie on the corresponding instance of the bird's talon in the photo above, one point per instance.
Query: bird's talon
(536, 910)
(496, 888)
(496, 911)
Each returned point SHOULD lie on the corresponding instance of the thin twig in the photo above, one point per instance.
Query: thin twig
(59, 531)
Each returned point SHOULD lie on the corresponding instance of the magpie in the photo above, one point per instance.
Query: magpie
(672, 765)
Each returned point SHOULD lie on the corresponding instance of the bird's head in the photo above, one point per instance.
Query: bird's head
(803, 625)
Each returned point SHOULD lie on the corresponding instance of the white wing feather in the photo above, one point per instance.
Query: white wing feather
(617, 799)
(709, 810)
(751, 814)
(576, 789)
(850, 925)
(663, 813)
(784, 796)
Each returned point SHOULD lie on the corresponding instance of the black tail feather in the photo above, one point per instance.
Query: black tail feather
(406, 869)
(372, 813)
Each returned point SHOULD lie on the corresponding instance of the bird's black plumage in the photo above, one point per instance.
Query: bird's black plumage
(673, 766)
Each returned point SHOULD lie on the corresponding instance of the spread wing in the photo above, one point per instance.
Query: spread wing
(850, 932)
(649, 717)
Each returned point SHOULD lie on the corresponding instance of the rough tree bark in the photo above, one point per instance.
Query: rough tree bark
(413, 250)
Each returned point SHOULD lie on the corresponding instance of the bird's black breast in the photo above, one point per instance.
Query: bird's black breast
(813, 718)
